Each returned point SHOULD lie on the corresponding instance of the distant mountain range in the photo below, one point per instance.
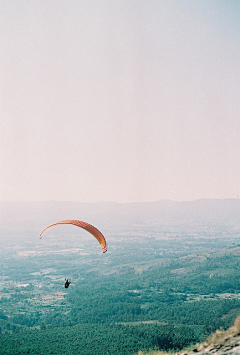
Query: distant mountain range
(164, 212)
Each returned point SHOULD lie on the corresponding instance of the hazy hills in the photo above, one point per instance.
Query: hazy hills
(165, 212)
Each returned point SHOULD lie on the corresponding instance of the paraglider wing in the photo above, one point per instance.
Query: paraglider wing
(88, 227)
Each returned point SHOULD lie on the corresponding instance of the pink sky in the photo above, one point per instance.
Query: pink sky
(123, 101)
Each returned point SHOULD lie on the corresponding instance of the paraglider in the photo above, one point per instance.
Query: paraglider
(67, 283)
(88, 227)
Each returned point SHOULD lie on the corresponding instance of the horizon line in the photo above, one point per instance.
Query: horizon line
(120, 203)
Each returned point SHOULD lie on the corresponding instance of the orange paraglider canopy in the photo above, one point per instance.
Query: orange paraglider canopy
(88, 227)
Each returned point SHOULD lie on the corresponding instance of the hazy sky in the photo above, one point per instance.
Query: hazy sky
(119, 100)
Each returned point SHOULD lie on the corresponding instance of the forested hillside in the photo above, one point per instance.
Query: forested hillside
(168, 305)
(161, 287)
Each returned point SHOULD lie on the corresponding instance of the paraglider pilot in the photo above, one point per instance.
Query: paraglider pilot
(67, 283)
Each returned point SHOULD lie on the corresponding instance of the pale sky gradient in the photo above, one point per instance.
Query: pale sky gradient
(119, 100)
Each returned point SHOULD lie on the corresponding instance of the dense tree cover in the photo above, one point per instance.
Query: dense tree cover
(98, 339)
